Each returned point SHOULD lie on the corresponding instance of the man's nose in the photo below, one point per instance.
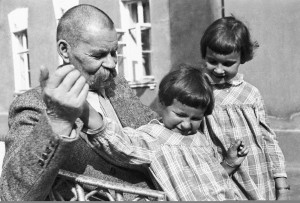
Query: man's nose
(110, 61)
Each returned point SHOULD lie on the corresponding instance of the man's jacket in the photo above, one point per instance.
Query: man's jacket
(34, 153)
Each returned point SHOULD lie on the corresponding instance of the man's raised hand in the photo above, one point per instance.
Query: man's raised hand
(64, 93)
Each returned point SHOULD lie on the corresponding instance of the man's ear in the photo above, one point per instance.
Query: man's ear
(63, 49)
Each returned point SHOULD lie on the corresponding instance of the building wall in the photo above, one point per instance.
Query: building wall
(41, 44)
(177, 27)
(275, 68)
(41, 38)
(111, 7)
(189, 19)
(6, 63)
(161, 49)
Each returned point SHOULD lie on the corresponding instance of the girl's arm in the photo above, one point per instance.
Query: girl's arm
(274, 152)
(123, 146)
(236, 154)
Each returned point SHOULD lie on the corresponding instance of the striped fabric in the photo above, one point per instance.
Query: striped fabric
(239, 114)
(183, 166)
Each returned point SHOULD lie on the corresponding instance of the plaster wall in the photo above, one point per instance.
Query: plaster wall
(161, 49)
(189, 19)
(41, 44)
(275, 69)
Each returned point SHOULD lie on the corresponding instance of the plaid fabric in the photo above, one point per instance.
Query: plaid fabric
(239, 114)
(183, 166)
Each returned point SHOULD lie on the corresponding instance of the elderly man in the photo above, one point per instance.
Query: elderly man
(45, 130)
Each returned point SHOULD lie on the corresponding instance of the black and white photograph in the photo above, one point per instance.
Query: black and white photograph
(149, 100)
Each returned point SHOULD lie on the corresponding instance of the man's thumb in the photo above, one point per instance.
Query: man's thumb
(44, 75)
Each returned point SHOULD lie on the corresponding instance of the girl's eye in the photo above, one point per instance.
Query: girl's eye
(212, 62)
(228, 64)
(197, 119)
(180, 115)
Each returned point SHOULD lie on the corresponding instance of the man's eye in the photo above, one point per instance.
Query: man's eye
(114, 53)
(99, 56)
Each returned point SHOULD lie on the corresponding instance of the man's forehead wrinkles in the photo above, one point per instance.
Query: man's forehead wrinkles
(104, 49)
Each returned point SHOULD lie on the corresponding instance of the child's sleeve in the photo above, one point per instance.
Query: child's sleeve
(123, 146)
(272, 147)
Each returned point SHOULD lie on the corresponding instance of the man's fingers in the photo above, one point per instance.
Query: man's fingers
(78, 86)
(44, 75)
(59, 75)
(70, 80)
(84, 92)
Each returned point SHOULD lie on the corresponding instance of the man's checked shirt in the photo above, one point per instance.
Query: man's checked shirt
(239, 114)
(183, 166)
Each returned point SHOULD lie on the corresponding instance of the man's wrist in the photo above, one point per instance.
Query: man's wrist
(60, 126)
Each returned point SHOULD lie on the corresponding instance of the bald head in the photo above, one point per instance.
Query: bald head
(76, 20)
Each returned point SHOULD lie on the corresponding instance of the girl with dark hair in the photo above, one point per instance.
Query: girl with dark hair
(239, 111)
(178, 157)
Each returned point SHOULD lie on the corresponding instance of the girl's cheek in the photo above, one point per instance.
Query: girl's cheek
(209, 67)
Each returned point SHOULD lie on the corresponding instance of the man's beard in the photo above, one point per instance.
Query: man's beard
(102, 79)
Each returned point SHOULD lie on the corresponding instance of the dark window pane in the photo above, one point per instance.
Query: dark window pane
(133, 12)
(146, 8)
(147, 63)
(146, 36)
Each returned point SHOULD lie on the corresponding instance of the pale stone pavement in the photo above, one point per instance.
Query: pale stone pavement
(290, 144)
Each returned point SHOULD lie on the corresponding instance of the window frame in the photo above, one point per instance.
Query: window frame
(18, 23)
(139, 75)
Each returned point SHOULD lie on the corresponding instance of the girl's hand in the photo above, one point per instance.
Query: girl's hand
(282, 194)
(282, 188)
(236, 153)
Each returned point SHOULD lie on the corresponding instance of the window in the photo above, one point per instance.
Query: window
(136, 48)
(18, 22)
(23, 57)
(121, 56)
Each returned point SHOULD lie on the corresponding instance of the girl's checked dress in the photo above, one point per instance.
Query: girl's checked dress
(184, 167)
(239, 114)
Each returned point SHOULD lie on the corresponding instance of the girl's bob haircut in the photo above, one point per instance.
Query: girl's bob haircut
(188, 85)
(227, 35)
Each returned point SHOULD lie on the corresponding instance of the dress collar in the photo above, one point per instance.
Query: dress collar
(236, 81)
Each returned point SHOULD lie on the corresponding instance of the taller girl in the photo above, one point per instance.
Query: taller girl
(239, 112)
